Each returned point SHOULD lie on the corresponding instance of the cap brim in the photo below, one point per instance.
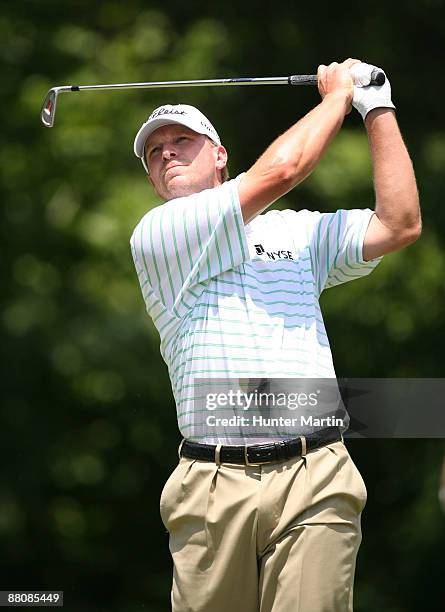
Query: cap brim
(154, 124)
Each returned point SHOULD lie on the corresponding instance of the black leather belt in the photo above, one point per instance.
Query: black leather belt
(260, 453)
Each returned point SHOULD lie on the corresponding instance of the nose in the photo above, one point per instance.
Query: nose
(168, 152)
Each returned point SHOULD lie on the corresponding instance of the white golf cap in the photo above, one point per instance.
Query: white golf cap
(166, 114)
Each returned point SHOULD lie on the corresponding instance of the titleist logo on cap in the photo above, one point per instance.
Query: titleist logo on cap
(166, 111)
(175, 111)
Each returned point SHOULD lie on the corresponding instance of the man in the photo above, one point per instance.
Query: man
(261, 519)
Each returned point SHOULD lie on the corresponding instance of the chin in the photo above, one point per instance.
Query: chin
(180, 187)
(179, 192)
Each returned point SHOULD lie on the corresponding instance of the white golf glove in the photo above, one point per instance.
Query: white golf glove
(367, 97)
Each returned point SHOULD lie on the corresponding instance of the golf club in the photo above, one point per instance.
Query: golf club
(48, 111)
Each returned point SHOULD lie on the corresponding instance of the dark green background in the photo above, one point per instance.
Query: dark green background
(88, 428)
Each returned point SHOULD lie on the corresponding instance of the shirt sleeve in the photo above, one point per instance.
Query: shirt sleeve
(180, 245)
(336, 247)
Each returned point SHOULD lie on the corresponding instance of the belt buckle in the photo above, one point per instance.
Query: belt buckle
(246, 457)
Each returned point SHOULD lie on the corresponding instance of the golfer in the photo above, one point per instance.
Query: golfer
(261, 518)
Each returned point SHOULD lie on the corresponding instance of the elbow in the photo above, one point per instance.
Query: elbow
(410, 233)
(413, 227)
(415, 232)
(403, 220)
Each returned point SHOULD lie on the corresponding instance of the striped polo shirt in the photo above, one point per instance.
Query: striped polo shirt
(234, 301)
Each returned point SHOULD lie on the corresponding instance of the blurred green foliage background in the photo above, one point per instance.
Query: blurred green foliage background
(87, 421)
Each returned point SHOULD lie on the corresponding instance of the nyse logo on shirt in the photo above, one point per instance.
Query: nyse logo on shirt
(272, 254)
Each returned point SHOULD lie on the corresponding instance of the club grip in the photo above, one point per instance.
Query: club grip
(302, 79)
(377, 78)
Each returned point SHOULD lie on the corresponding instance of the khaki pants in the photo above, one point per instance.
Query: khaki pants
(281, 537)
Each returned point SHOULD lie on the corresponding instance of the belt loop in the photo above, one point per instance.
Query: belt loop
(303, 446)
(217, 454)
(180, 448)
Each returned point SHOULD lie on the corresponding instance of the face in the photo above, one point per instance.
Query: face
(182, 162)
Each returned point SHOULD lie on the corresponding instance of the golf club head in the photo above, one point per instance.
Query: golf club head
(48, 112)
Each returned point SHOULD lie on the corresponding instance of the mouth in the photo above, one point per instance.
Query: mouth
(171, 166)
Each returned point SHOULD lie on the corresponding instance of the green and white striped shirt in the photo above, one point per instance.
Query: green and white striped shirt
(235, 301)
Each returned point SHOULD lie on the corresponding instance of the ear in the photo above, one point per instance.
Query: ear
(221, 157)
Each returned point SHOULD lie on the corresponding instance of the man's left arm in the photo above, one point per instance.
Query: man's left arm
(396, 222)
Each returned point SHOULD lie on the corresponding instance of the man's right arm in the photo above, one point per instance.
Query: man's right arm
(294, 154)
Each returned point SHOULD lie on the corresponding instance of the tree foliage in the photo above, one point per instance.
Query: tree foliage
(88, 427)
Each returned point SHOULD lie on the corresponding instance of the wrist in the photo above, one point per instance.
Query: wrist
(375, 114)
(341, 98)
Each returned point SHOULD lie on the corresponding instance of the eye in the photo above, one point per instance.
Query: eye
(182, 138)
(153, 150)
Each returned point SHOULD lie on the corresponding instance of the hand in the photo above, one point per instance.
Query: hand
(336, 79)
(368, 97)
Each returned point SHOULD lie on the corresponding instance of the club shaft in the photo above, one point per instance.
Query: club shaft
(303, 79)
(48, 111)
